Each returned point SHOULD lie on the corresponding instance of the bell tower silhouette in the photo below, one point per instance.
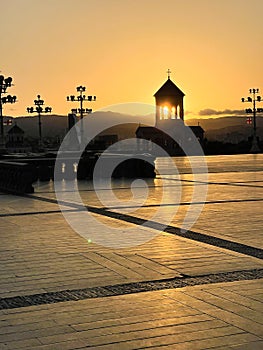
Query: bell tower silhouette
(169, 130)
(169, 104)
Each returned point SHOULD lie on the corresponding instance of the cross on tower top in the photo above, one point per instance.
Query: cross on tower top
(168, 72)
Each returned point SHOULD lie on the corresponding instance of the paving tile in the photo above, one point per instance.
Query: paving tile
(238, 298)
(226, 341)
(25, 327)
(35, 333)
(255, 345)
(146, 320)
(242, 322)
(231, 305)
(20, 344)
(66, 345)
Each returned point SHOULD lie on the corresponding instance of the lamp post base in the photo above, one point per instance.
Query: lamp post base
(255, 148)
(2, 146)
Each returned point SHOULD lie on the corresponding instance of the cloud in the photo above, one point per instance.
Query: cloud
(209, 111)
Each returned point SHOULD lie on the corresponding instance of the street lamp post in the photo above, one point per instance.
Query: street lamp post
(81, 111)
(254, 99)
(4, 84)
(39, 109)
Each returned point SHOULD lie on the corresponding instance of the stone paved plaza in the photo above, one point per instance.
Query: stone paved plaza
(201, 289)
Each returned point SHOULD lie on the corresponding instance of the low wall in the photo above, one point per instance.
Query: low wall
(17, 177)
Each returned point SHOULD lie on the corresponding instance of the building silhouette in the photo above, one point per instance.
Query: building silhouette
(169, 116)
(15, 140)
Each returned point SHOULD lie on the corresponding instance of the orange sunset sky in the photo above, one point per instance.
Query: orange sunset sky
(121, 49)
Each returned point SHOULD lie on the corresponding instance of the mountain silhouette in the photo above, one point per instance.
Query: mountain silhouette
(231, 129)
